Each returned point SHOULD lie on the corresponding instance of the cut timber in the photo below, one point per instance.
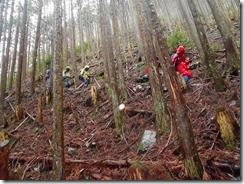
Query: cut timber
(148, 171)
(94, 95)
(19, 112)
(226, 125)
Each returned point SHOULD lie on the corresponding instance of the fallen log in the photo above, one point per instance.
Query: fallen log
(48, 161)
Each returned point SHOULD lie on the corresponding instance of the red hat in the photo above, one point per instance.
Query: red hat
(181, 50)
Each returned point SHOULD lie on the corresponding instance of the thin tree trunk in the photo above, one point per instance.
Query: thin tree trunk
(113, 86)
(73, 46)
(58, 137)
(232, 52)
(4, 67)
(160, 107)
(1, 18)
(66, 42)
(38, 31)
(211, 65)
(25, 62)
(191, 27)
(14, 53)
(118, 56)
(20, 64)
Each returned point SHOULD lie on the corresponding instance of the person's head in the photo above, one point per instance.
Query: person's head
(181, 50)
(67, 68)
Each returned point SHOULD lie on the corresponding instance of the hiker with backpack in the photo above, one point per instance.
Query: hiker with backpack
(67, 77)
(181, 63)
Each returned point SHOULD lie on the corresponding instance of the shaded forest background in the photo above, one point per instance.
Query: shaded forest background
(81, 133)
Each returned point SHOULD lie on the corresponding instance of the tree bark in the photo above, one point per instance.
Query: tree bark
(109, 56)
(4, 66)
(58, 137)
(118, 55)
(193, 166)
(232, 52)
(1, 18)
(160, 107)
(38, 31)
(21, 58)
(14, 53)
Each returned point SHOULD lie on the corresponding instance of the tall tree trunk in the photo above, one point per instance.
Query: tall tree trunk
(20, 64)
(160, 107)
(38, 31)
(1, 18)
(232, 52)
(191, 26)
(103, 41)
(81, 33)
(108, 49)
(211, 65)
(66, 42)
(14, 53)
(25, 62)
(58, 142)
(192, 163)
(73, 45)
(4, 66)
(118, 56)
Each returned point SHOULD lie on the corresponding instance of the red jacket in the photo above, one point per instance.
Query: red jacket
(182, 65)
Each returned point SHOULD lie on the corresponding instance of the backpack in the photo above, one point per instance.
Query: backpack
(177, 62)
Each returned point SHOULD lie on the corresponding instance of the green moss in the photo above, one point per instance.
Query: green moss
(191, 169)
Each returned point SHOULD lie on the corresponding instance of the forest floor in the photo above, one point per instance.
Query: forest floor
(94, 152)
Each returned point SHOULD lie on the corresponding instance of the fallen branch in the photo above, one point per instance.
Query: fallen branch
(30, 116)
(28, 167)
(12, 107)
(234, 170)
(19, 125)
(79, 87)
(9, 96)
(96, 82)
(48, 160)
(129, 145)
(214, 140)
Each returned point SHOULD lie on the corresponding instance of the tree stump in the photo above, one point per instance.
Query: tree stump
(4, 156)
(148, 171)
(19, 112)
(226, 124)
(94, 95)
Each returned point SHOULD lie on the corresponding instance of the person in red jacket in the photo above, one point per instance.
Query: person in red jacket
(181, 63)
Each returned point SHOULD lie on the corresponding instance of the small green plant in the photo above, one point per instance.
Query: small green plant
(231, 144)
(177, 38)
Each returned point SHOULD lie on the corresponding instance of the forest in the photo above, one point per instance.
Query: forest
(90, 90)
